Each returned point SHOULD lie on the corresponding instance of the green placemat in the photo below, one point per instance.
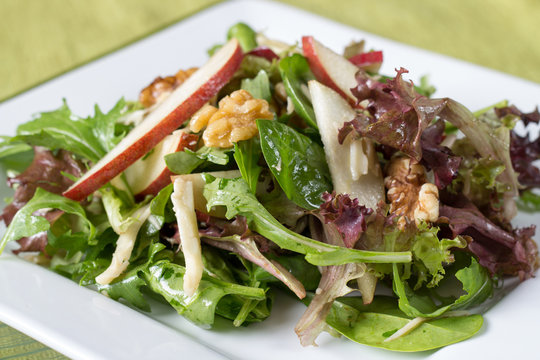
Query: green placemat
(42, 39)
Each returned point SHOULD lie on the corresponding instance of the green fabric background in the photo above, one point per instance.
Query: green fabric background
(41, 39)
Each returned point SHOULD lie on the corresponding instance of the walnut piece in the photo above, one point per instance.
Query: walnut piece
(411, 196)
(235, 119)
(162, 87)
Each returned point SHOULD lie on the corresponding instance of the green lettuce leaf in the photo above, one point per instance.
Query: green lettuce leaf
(434, 253)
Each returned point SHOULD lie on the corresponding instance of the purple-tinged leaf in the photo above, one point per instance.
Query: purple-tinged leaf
(502, 252)
(439, 158)
(523, 153)
(346, 215)
(527, 118)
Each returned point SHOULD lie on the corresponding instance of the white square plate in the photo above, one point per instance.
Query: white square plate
(86, 325)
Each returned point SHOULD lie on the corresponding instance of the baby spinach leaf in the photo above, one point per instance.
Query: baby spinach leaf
(247, 154)
(259, 86)
(25, 223)
(245, 35)
(298, 163)
(373, 324)
(236, 196)
(295, 73)
(476, 283)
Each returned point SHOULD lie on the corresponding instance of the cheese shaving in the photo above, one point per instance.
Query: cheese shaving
(124, 247)
(184, 209)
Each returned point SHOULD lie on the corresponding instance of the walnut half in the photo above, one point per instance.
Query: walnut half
(411, 196)
(233, 121)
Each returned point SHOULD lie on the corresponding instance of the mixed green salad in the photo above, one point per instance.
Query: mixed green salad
(385, 211)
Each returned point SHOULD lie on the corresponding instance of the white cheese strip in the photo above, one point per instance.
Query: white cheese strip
(124, 247)
(184, 209)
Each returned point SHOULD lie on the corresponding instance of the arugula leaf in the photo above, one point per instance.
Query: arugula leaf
(184, 162)
(247, 154)
(236, 196)
(166, 279)
(129, 289)
(295, 72)
(259, 86)
(25, 224)
(89, 138)
(372, 324)
(298, 163)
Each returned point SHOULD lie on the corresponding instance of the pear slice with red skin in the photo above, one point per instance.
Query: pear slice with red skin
(150, 174)
(177, 108)
(330, 68)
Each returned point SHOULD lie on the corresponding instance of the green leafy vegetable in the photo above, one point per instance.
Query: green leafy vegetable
(244, 34)
(26, 224)
(89, 138)
(434, 253)
(185, 162)
(247, 154)
(297, 162)
(129, 289)
(295, 73)
(529, 201)
(475, 281)
(373, 324)
(259, 86)
(235, 195)
(166, 278)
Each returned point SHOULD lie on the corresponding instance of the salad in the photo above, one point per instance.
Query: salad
(284, 168)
